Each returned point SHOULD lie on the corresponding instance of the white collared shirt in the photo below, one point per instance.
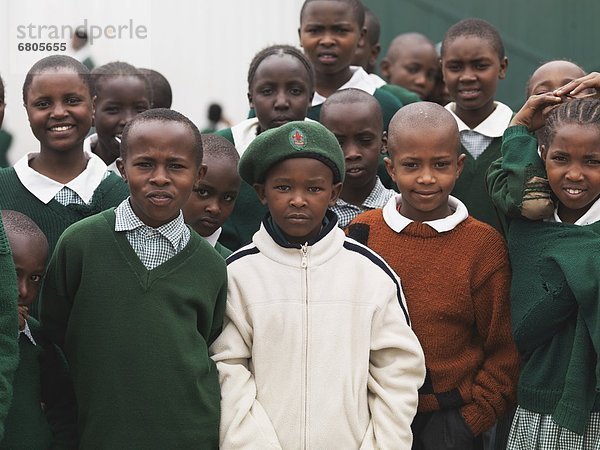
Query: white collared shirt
(398, 222)
(377, 80)
(592, 215)
(360, 80)
(476, 140)
(27, 332)
(45, 189)
(213, 238)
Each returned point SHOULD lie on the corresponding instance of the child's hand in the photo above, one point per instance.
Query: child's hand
(23, 316)
(578, 87)
(535, 110)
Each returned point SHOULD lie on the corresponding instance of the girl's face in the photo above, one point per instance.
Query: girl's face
(280, 91)
(573, 165)
(59, 108)
(119, 99)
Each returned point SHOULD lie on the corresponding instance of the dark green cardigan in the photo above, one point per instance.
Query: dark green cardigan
(137, 340)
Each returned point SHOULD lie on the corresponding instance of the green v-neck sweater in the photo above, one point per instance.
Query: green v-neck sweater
(137, 340)
(53, 218)
(471, 187)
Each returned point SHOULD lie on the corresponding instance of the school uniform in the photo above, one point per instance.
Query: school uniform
(376, 199)
(9, 326)
(87, 147)
(54, 206)
(481, 145)
(42, 413)
(162, 308)
(310, 359)
(456, 275)
(213, 240)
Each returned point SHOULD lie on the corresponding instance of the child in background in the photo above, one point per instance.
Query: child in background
(9, 327)
(42, 413)
(5, 138)
(280, 87)
(213, 198)
(366, 57)
(330, 33)
(411, 62)
(63, 183)
(122, 92)
(519, 187)
(473, 61)
(135, 324)
(316, 350)
(162, 95)
(354, 117)
(554, 292)
(456, 275)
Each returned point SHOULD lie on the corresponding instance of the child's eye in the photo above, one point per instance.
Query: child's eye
(266, 91)
(314, 189)
(176, 166)
(112, 110)
(141, 108)
(73, 101)
(282, 188)
(42, 104)
(296, 91)
(142, 164)
(442, 164)
(453, 67)
(412, 69)
(365, 140)
(202, 192)
(482, 66)
(342, 30)
(593, 162)
(558, 158)
(410, 165)
(35, 278)
(229, 198)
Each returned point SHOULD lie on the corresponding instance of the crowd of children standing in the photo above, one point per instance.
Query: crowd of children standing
(362, 263)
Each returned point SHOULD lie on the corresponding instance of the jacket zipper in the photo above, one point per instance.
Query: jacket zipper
(304, 266)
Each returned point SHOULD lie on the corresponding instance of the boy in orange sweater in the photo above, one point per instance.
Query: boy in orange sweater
(456, 276)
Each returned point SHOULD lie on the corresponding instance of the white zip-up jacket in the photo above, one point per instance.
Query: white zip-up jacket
(316, 350)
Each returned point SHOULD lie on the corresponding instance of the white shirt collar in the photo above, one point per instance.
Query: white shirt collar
(377, 80)
(359, 80)
(493, 126)
(27, 332)
(45, 188)
(213, 238)
(592, 215)
(398, 222)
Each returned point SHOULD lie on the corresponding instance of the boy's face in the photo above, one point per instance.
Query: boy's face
(361, 137)
(29, 255)
(329, 34)
(414, 68)
(572, 162)
(280, 91)
(119, 100)
(424, 164)
(298, 192)
(59, 109)
(161, 170)
(471, 69)
(213, 200)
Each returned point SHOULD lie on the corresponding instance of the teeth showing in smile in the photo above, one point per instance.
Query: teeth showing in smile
(61, 128)
(573, 191)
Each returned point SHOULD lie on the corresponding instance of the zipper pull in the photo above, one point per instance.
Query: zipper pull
(304, 251)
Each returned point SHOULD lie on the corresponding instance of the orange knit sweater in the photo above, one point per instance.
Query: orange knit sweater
(457, 287)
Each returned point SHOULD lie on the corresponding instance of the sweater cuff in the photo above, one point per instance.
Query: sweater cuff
(476, 421)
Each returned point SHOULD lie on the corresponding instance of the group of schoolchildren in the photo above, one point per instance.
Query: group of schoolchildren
(353, 266)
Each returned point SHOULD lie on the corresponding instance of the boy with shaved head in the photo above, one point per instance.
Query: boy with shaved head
(456, 276)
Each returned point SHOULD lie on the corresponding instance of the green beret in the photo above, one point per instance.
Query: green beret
(301, 139)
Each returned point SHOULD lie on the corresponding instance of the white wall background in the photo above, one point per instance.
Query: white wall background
(203, 47)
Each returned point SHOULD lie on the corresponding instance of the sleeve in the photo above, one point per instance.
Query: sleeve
(219, 312)
(494, 385)
(508, 177)
(9, 327)
(58, 397)
(396, 372)
(244, 422)
(55, 302)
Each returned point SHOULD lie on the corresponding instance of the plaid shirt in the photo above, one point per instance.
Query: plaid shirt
(376, 199)
(153, 246)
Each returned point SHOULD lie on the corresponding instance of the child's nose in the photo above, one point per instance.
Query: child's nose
(58, 110)
(159, 176)
(23, 289)
(213, 208)
(281, 100)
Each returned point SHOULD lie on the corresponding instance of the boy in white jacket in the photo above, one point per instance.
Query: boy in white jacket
(317, 350)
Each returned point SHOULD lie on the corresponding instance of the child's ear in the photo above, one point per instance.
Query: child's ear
(384, 67)
(121, 166)
(389, 166)
(362, 37)
(335, 193)
(384, 142)
(94, 110)
(543, 153)
(503, 67)
(460, 164)
(259, 188)
(250, 102)
(201, 174)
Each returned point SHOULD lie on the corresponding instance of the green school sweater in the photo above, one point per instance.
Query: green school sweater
(137, 340)
(555, 310)
(9, 327)
(471, 187)
(42, 377)
(405, 96)
(54, 218)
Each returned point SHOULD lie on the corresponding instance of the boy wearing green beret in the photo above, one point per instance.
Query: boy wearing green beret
(317, 349)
